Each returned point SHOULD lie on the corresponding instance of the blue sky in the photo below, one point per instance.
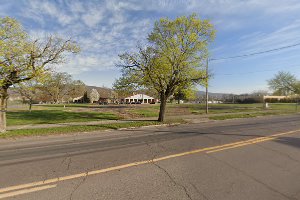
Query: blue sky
(105, 29)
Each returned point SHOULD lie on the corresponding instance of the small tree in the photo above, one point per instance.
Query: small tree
(173, 59)
(29, 91)
(94, 96)
(22, 59)
(85, 98)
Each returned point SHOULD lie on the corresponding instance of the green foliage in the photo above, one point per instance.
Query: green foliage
(85, 98)
(174, 57)
(284, 83)
(296, 87)
(22, 58)
(60, 87)
(188, 93)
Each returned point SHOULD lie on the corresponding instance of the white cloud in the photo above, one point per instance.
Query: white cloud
(107, 28)
(76, 7)
(81, 63)
(37, 10)
(93, 16)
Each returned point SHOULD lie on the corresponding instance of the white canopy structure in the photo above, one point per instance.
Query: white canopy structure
(142, 98)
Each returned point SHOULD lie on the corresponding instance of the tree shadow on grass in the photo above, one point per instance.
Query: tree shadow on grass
(55, 116)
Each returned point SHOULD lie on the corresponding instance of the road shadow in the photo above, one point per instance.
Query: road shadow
(222, 134)
(291, 141)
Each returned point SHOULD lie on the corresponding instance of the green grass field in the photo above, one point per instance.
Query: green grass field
(51, 114)
(243, 115)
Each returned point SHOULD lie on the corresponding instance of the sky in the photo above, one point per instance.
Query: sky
(106, 28)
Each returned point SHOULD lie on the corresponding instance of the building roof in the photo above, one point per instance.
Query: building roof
(275, 97)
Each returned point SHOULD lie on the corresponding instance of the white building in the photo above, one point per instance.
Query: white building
(142, 98)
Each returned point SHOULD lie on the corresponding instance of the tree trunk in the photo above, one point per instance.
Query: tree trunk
(162, 109)
(30, 105)
(3, 107)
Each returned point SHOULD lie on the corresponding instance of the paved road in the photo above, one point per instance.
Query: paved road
(237, 159)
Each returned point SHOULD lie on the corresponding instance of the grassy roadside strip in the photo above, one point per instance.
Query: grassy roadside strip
(82, 128)
(247, 115)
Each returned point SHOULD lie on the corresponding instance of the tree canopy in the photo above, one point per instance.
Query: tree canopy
(60, 87)
(284, 83)
(173, 58)
(23, 58)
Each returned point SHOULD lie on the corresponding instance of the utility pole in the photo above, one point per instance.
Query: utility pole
(206, 87)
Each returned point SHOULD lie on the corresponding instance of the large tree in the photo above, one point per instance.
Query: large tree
(23, 58)
(284, 83)
(173, 58)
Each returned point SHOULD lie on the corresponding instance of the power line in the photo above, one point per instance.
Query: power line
(255, 53)
(252, 72)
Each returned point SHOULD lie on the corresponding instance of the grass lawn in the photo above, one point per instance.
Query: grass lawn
(243, 115)
(225, 108)
(285, 107)
(55, 116)
(51, 114)
(275, 109)
(78, 129)
(237, 108)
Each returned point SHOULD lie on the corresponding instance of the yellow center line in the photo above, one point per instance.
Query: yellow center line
(240, 145)
(207, 150)
(25, 191)
(248, 142)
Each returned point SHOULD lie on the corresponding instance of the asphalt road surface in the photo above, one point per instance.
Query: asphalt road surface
(235, 160)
